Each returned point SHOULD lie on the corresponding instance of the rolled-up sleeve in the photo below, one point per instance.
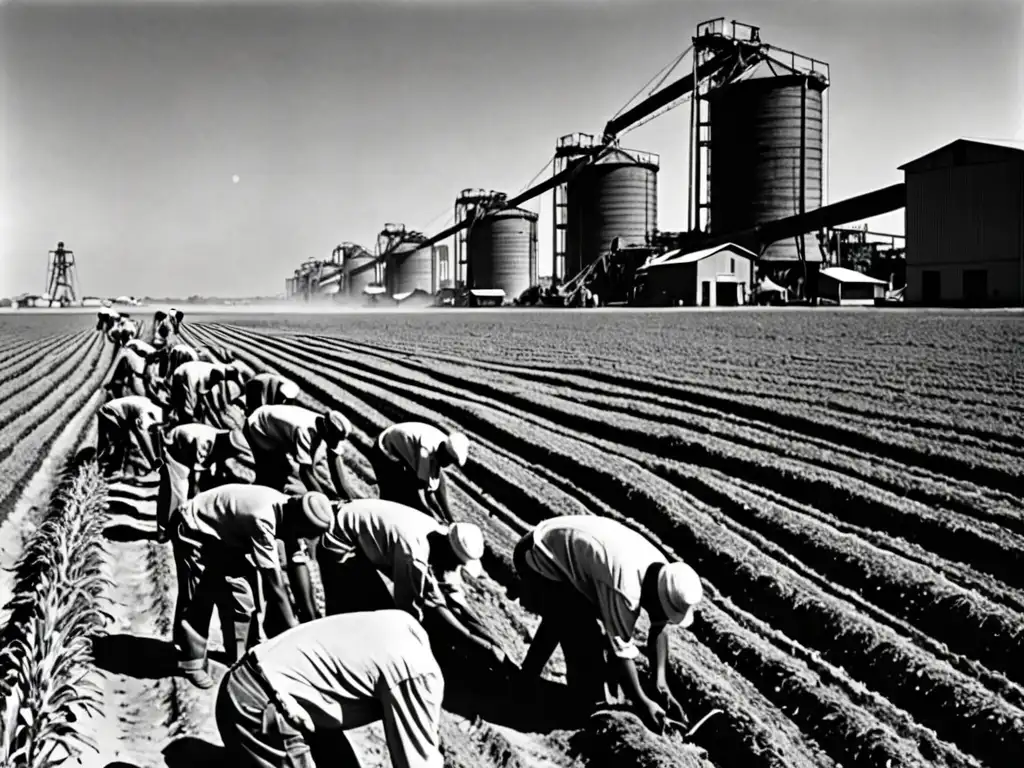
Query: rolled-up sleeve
(304, 446)
(264, 546)
(619, 619)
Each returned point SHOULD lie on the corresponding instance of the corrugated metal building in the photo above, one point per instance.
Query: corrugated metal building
(721, 276)
(965, 225)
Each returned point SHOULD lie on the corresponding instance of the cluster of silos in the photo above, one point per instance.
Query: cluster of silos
(502, 251)
(767, 151)
(615, 196)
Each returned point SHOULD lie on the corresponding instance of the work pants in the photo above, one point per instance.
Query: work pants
(577, 623)
(209, 577)
(256, 735)
(175, 481)
(351, 585)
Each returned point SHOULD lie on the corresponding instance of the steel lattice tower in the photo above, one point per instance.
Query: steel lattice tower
(61, 276)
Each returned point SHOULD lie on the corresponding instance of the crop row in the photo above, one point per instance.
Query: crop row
(45, 662)
(389, 400)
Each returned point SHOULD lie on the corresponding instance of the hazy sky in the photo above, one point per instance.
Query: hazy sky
(122, 125)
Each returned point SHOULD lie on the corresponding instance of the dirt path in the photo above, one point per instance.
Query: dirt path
(151, 718)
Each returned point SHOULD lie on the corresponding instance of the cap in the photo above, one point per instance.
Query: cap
(289, 389)
(457, 445)
(679, 591)
(467, 542)
(317, 509)
(338, 423)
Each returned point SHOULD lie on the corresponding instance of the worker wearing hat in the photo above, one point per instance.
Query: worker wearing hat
(225, 543)
(186, 383)
(269, 389)
(368, 537)
(126, 436)
(579, 570)
(164, 329)
(197, 457)
(288, 703)
(106, 319)
(409, 460)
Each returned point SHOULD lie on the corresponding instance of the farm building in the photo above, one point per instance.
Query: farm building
(965, 225)
(721, 276)
(847, 287)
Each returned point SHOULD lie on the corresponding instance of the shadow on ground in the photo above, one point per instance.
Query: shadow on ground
(506, 697)
(144, 658)
(124, 533)
(193, 752)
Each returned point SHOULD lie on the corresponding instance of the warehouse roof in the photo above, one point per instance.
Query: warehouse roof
(672, 258)
(965, 152)
(844, 275)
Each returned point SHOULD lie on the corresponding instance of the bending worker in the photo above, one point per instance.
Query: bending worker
(222, 539)
(132, 371)
(577, 570)
(190, 380)
(197, 457)
(269, 389)
(126, 439)
(370, 536)
(290, 442)
(289, 701)
(223, 403)
(408, 461)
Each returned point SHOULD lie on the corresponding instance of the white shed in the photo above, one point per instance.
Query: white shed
(847, 287)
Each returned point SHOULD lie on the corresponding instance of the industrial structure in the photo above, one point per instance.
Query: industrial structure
(757, 189)
(61, 277)
(965, 225)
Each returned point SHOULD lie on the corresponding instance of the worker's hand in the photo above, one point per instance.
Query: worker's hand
(652, 715)
(295, 714)
(672, 707)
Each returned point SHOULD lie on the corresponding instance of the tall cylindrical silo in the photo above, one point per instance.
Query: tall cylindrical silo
(409, 268)
(616, 196)
(767, 146)
(359, 272)
(503, 251)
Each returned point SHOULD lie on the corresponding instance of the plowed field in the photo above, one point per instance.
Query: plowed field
(850, 486)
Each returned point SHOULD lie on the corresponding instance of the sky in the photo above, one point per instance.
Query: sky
(122, 125)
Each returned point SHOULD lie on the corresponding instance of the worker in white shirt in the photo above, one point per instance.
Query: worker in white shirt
(369, 537)
(197, 457)
(191, 380)
(126, 436)
(409, 460)
(225, 543)
(579, 570)
(288, 702)
(106, 319)
(289, 442)
(269, 389)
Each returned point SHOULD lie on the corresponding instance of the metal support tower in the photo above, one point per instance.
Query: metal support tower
(62, 276)
(470, 205)
(569, 150)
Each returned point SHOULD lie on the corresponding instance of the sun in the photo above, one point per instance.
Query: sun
(235, 179)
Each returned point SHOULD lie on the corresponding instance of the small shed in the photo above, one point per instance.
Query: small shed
(721, 276)
(847, 287)
(486, 297)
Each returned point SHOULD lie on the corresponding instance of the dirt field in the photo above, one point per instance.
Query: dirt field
(847, 483)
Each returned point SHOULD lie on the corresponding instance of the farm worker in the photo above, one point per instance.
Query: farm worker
(269, 389)
(125, 434)
(368, 537)
(288, 702)
(106, 318)
(222, 539)
(191, 452)
(577, 570)
(140, 347)
(188, 381)
(289, 442)
(177, 317)
(163, 328)
(408, 461)
(130, 373)
(223, 401)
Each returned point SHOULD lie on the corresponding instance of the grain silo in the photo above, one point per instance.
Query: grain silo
(360, 270)
(767, 151)
(409, 266)
(502, 251)
(614, 196)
